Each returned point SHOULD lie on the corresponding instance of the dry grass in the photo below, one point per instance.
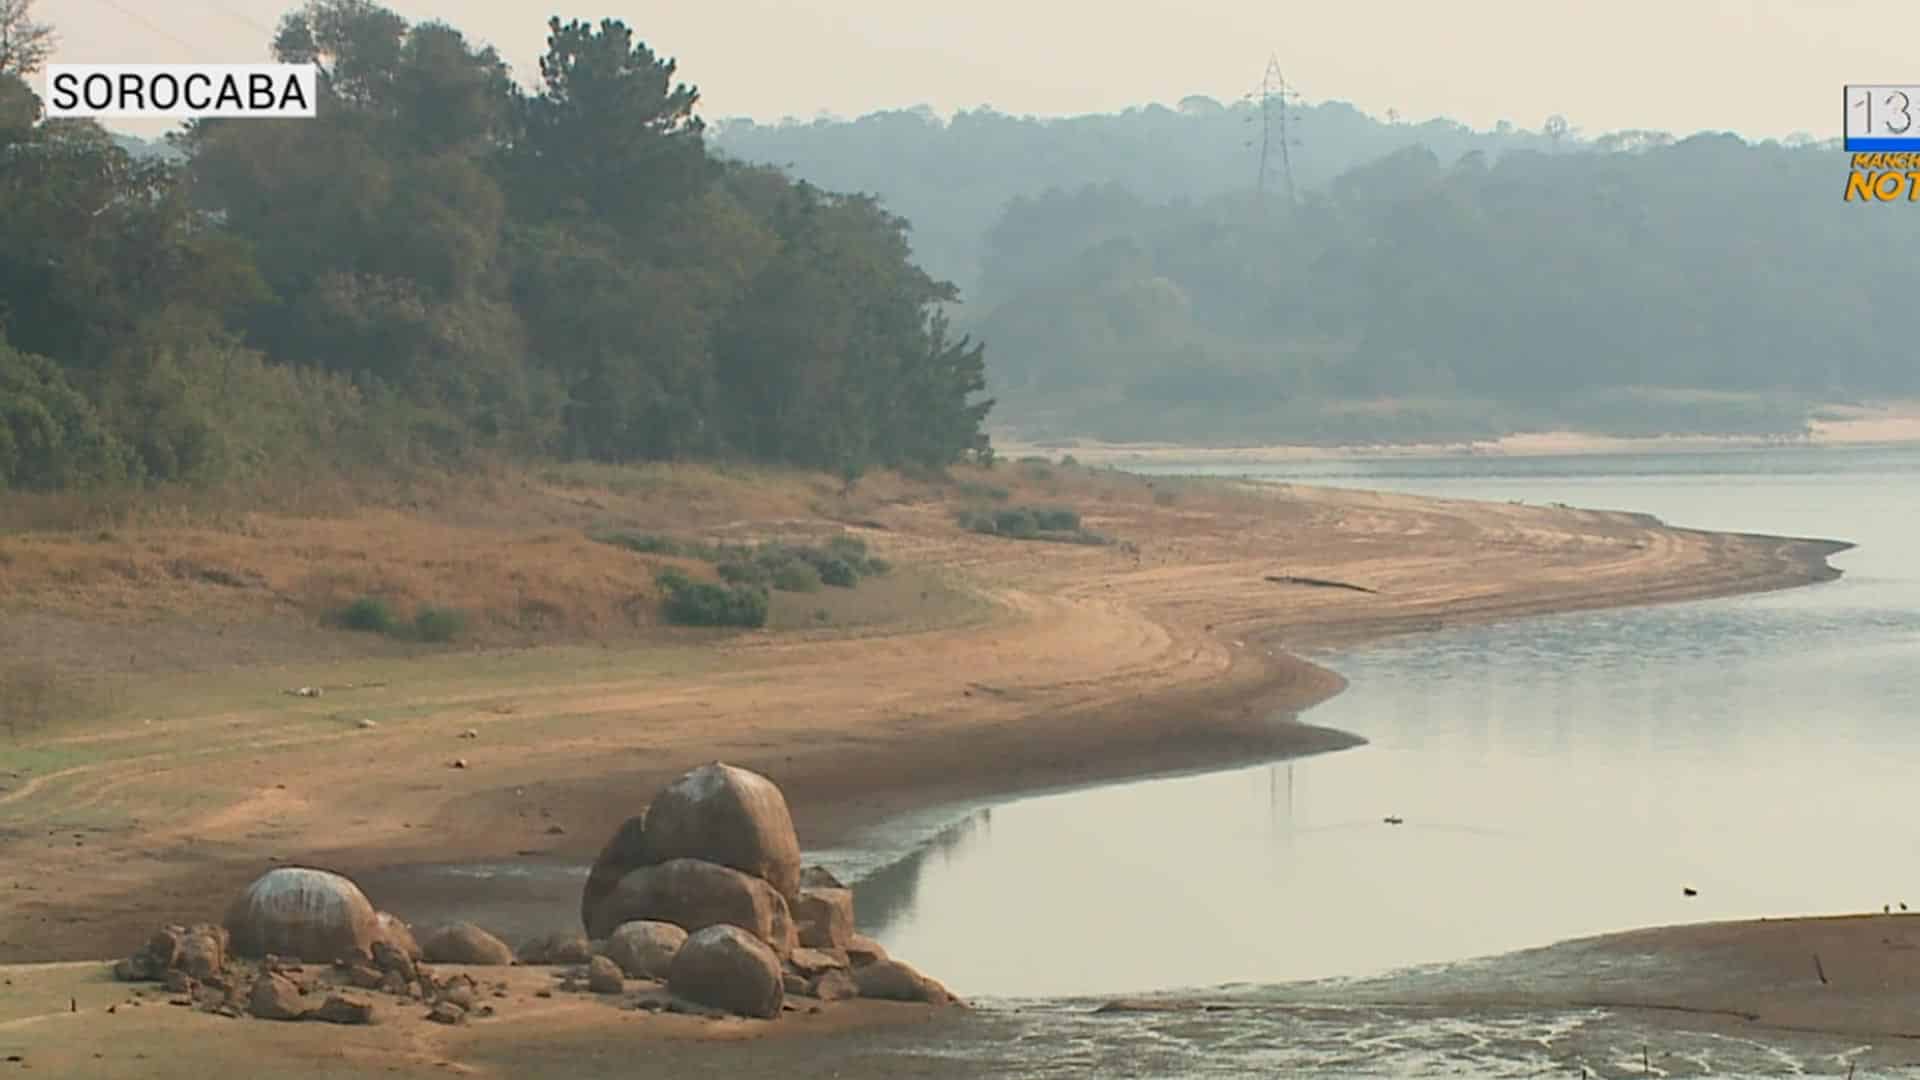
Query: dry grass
(511, 549)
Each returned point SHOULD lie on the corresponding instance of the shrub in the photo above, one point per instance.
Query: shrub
(980, 521)
(370, 614)
(1057, 520)
(742, 573)
(878, 567)
(645, 543)
(797, 577)
(1017, 523)
(838, 573)
(438, 624)
(699, 603)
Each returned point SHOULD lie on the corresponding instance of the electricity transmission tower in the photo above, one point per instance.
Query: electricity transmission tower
(1274, 95)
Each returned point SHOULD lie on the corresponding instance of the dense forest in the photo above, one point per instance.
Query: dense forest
(1428, 282)
(446, 262)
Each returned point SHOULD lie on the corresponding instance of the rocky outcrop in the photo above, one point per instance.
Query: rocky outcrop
(315, 915)
(465, 943)
(197, 952)
(724, 967)
(730, 816)
(644, 949)
(694, 894)
(715, 857)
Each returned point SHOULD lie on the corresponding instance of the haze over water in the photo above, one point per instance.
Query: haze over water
(1558, 777)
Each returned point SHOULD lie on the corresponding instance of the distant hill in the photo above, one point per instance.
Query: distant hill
(952, 177)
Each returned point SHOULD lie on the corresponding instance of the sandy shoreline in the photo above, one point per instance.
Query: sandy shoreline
(1175, 652)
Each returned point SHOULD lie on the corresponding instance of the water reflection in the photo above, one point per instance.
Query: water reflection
(1557, 777)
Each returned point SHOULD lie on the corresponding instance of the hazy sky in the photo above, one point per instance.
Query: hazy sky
(1759, 67)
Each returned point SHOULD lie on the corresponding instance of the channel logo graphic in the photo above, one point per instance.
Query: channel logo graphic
(182, 91)
(1883, 136)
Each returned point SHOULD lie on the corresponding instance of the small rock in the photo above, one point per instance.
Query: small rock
(465, 943)
(461, 994)
(446, 1012)
(825, 917)
(819, 877)
(543, 992)
(470, 733)
(863, 950)
(896, 980)
(835, 986)
(644, 948)
(796, 984)
(603, 976)
(340, 1009)
(179, 982)
(459, 763)
(365, 724)
(366, 977)
(275, 997)
(555, 830)
(812, 962)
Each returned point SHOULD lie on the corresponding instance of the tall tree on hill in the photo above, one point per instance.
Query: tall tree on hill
(610, 136)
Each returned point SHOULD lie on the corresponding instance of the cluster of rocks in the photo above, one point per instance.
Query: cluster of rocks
(704, 888)
(701, 894)
(305, 944)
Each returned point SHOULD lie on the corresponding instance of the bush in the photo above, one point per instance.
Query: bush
(878, 567)
(1057, 520)
(796, 577)
(699, 603)
(646, 543)
(836, 572)
(438, 624)
(742, 573)
(370, 614)
(1017, 523)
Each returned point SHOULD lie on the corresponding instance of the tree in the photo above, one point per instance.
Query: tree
(24, 43)
(611, 135)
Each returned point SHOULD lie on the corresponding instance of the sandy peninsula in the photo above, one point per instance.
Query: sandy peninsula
(996, 666)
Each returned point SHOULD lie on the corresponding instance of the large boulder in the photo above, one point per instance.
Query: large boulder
(724, 967)
(824, 917)
(622, 855)
(729, 816)
(295, 911)
(465, 943)
(694, 895)
(645, 949)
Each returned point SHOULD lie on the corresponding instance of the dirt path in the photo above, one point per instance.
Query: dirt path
(1099, 663)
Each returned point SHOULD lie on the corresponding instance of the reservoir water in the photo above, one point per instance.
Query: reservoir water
(1557, 776)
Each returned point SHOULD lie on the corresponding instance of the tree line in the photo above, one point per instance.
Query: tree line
(445, 262)
(1640, 286)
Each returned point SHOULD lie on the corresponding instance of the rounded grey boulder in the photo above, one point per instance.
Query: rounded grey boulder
(644, 948)
(724, 967)
(730, 816)
(316, 916)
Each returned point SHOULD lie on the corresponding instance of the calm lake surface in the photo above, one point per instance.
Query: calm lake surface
(1558, 776)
